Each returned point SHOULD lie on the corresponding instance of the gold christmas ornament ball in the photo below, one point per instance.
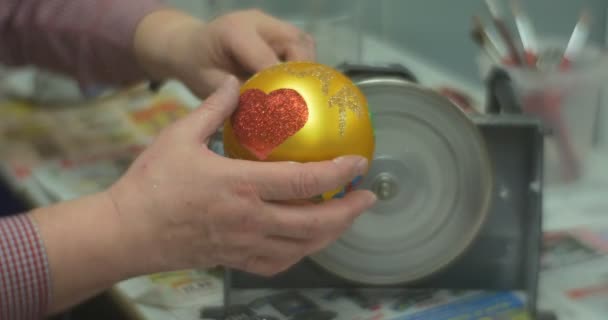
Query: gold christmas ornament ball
(302, 112)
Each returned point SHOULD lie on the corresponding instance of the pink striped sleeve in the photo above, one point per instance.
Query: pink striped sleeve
(91, 40)
(24, 272)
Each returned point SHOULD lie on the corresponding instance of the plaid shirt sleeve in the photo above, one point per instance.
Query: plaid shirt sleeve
(24, 273)
(90, 40)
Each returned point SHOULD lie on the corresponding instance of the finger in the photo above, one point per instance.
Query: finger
(312, 45)
(289, 180)
(266, 266)
(302, 49)
(323, 222)
(204, 121)
(207, 81)
(290, 43)
(277, 248)
(252, 52)
(276, 30)
(300, 202)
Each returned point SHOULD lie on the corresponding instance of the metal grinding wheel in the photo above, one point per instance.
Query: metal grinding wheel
(433, 177)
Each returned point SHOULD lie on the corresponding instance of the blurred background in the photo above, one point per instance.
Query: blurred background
(429, 36)
(437, 30)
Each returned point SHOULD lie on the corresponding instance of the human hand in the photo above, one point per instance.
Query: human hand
(172, 44)
(185, 206)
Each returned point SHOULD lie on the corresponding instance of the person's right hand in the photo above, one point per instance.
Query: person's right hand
(184, 206)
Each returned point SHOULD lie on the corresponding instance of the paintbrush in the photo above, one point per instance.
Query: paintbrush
(503, 30)
(526, 33)
(577, 41)
(486, 42)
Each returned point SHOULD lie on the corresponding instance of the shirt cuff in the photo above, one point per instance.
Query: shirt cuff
(25, 284)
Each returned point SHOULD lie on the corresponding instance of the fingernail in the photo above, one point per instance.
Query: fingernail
(360, 163)
(231, 83)
(371, 199)
(339, 159)
(361, 166)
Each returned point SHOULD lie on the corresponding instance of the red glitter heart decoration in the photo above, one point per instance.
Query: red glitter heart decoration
(263, 121)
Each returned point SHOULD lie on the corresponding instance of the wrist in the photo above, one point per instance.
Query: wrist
(88, 225)
(138, 249)
(140, 233)
(126, 249)
(87, 248)
(158, 41)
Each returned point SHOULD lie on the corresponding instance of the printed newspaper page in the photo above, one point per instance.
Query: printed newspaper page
(574, 277)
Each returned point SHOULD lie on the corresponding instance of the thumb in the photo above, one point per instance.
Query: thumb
(206, 119)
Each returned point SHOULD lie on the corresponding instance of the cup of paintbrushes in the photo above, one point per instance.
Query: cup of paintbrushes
(566, 98)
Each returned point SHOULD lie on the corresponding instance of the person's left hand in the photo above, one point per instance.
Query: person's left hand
(172, 44)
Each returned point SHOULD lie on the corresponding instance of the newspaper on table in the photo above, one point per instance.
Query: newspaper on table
(197, 294)
(574, 285)
(363, 304)
(574, 276)
(379, 304)
(181, 289)
(70, 179)
(63, 152)
(24, 143)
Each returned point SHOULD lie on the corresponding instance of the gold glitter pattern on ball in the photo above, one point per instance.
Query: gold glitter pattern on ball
(344, 99)
(324, 75)
(268, 128)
